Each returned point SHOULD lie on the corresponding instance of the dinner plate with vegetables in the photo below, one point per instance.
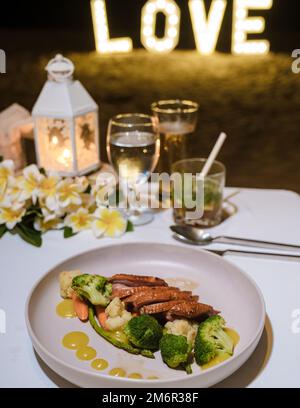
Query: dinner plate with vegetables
(145, 315)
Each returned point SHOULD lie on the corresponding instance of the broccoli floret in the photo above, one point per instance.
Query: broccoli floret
(94, 288)
(121, 343)
(176, 351)
(212, 339)
(144, 332)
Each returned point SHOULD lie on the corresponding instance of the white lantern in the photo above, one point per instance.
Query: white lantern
(66, 123)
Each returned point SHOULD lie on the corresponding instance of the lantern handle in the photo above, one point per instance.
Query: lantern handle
(60, 69)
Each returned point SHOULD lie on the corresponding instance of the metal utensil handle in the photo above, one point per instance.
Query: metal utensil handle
(250, 253)
(255, 243)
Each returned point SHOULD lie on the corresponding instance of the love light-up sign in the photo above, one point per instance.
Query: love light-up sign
(206, 27)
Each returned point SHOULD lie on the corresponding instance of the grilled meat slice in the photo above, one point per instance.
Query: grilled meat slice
(134, 280)
(158, 308)
(146, 290)
(189, 310)
(157, 296)
(122, 291)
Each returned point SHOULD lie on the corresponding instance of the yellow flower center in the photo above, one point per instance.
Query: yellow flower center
(9, 215)
(67, 191)
(31, 183)
(111, 222)
(114, 218)
(48, 186)
(4, 174)
(81, 220)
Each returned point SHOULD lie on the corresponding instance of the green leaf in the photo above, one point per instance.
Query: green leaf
(68, 232)
(130, 227)
(31, 213)
(3, 230)
(29, 235)
(88, 190)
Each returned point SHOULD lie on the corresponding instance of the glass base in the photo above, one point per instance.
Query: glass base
(141, 218)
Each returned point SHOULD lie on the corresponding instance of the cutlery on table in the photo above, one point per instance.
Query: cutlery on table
(237, 251)
(199, 237)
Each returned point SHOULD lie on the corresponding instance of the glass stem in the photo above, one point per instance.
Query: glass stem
(129, 193)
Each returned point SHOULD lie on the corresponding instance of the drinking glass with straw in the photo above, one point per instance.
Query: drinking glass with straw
(213, 174)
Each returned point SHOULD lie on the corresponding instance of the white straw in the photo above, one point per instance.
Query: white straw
(213, 155)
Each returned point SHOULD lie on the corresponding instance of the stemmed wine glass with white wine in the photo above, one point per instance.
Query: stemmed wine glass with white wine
(133, 148)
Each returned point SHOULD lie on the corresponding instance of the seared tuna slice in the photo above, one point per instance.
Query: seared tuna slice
(190, 310)
(122, 291)
(134, 280)
(158, 308)
(157, 296)
(147, 290)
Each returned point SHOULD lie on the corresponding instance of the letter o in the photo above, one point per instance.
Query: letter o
(149, 17)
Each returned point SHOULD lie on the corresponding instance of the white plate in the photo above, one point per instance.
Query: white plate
(218, 282)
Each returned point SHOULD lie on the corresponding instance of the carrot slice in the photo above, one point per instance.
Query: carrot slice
(80, 307)
(100, 312)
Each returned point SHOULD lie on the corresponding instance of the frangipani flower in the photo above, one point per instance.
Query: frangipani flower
(6, 173)
(49, 215)
(87, 202)
(30, 183)
(47, 190)
(54, 203)
(82, 183)
(12, 215)
(13, 191)
(40, 224)
(108, 223)
(68, 192)
(79, 221)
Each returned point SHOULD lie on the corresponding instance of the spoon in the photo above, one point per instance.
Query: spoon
(246, 252)
(197, 236)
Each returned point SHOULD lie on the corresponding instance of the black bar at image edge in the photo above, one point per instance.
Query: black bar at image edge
(126, 397)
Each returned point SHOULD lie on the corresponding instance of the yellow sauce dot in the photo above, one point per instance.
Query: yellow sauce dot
(215, 361)
(234, 335)
(117, 372)
(99, 364)
(152, 377)
(65, 309)
(74, 340)
(135, 376)
(86, 353)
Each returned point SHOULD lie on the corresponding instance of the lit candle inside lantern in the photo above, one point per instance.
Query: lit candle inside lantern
(66, 123)
(65, 158)
(54, 140)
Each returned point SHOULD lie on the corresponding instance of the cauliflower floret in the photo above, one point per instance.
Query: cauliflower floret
(115, 308)
(65, 282)
(117, 315)
(183, 327)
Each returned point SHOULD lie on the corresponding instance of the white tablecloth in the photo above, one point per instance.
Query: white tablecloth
(263, 214)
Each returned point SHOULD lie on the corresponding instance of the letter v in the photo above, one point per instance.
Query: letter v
(207, 29)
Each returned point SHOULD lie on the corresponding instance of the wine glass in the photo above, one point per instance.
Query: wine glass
(133, 148)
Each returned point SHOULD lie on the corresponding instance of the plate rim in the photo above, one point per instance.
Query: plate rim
(125, 380)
